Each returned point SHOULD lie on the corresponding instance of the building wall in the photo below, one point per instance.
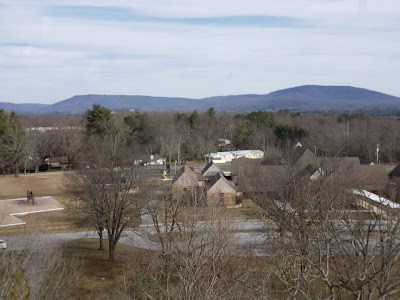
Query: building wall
(225, 199)
(218, 160)
(221, 187)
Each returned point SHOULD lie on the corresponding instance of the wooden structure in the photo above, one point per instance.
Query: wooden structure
(216, 188)
(30, 197)
(185, 179)
(210, 169)
(220, 191)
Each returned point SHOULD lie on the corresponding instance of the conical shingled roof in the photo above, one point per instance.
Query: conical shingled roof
(210, 169)
(185, 170)
(217, 177)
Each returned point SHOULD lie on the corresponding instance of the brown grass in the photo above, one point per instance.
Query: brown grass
(101, 277)
(249, 211)
(55, 221)
(42, 184)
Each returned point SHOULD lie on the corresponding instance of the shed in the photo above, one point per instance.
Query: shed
(220, 191)
(210, 169)
(185, 178)
(57, 161)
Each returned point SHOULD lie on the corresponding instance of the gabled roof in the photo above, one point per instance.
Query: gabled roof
(272, 161)
(210, 169)
(298, 153)
(219, 178)
(242, 162)
(291, 157)
(396, 171)
(369, 177)
(340, 165)
(186, 171)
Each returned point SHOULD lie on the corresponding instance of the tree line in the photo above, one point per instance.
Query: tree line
(190, 136)
(310, 239)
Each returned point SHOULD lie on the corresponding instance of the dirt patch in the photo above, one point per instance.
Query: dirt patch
(42, 184)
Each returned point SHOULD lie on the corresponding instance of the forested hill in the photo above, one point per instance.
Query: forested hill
(301, 98)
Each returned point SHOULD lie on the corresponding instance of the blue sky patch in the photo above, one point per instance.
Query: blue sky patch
(16, 44)
(116, 14)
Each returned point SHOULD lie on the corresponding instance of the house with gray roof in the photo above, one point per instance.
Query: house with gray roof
(185, 178)
(217, 189)
(273, 174)
(210, 169)
(220, 191)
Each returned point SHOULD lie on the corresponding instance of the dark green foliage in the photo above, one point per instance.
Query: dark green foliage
(180, 116)
(241, 135)
(345, 117)
(194, 119)
(239, 116)
(3, 122)
(211, 112)
(261, 119)
(342, 118)
(99, 120)
(284, 133)
(142, 130)
(12, 140)
(248, 126)
(287, 112)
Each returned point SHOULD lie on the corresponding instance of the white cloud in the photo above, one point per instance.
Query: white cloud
(48, 58)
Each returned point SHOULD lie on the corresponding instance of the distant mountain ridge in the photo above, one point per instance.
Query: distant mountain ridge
(301, 99)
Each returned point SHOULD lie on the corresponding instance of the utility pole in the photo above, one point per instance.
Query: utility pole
(377, 154)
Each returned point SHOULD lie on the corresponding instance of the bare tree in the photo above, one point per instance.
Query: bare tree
(107, 199)
(70, 143)
(36, 272)
(196, 260)
(107, 191)
(318, 229)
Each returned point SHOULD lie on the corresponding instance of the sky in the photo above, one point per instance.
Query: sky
(51, 50)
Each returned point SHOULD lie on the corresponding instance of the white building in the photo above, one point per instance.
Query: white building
(228, 156)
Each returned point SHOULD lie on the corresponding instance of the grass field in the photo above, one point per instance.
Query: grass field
(102, 278)
(42, 184)
(51, 184)
(249, 211)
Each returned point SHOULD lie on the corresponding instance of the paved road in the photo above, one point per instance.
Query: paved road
(252, 242)
(242, 237)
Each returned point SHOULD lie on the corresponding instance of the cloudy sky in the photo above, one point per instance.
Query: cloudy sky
(51, 50)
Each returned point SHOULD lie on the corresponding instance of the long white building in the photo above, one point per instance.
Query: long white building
(228, 156)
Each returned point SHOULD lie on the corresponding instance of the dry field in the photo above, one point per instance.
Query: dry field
(42, 184)
(51, 184)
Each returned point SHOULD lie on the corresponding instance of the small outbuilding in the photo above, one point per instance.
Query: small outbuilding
(185, 179)
(220, 191)
(210, 169)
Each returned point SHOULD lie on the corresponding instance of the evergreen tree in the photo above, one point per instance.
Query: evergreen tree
(99, 120)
